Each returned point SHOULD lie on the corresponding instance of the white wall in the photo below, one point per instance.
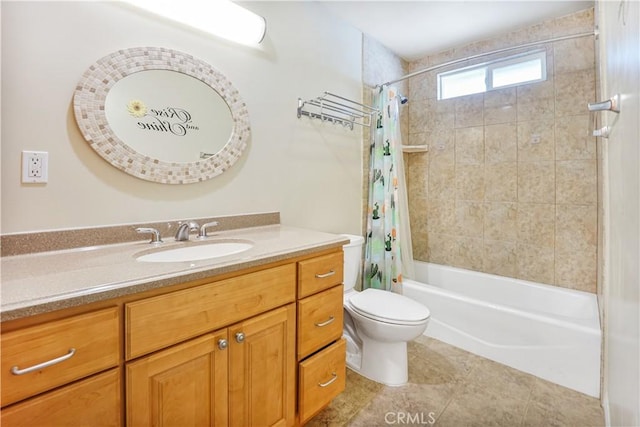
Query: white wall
(308, 171)
(619, 24)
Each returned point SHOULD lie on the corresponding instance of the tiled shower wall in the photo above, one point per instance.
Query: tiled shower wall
(509, 184)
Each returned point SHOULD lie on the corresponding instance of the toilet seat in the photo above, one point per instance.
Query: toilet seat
(388, 307)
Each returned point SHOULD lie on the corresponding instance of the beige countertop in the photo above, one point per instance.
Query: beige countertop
(47, 281)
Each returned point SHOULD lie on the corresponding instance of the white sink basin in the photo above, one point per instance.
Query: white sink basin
(196, 252)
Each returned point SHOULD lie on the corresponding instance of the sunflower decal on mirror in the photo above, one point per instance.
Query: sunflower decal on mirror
(137, 108)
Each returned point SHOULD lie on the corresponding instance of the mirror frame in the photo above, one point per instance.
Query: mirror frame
(89, 108)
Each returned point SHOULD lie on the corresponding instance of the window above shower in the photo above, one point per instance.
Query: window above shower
(530, 67)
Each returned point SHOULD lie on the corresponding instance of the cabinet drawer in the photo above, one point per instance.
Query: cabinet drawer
(158, 322)
(83, 344)
(317, 274)
(94, 401)
(321, 378)
(320, 320)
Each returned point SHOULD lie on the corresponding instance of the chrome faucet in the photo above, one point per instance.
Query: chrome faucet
(184, 229)
(203, 230)
(155, 234)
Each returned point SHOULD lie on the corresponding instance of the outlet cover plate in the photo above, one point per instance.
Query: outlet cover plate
(35, 167)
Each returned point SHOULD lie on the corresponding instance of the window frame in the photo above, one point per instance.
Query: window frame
(489, 68)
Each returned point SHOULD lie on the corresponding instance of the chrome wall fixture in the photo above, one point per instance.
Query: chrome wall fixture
(611, 104)
(337, 110)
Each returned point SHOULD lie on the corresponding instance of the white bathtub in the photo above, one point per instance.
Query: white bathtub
(550, 332)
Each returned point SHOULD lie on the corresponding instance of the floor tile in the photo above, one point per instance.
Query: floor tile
(474, 407)
(358, 393)
(434, 364)
(554, 405)
(451, 387)
(499, 381)
(411, 404)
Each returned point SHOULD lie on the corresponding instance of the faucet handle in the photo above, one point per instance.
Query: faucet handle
(155, 234)
(203, 229)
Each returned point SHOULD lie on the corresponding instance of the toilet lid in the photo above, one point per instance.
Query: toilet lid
(389, 306)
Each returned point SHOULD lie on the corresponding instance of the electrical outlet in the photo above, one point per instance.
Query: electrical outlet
(35, 167)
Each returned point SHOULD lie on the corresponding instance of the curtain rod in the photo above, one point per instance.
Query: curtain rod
(479, 55)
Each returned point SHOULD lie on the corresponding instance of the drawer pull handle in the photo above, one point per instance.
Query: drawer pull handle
(325, 323)
(17, 371)
(240, 337)
(322, 276)
(222, 344)
(335, 377)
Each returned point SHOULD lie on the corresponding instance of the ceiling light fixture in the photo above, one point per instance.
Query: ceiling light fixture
(222, 18)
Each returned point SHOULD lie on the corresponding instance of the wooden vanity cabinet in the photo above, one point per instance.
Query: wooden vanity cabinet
(261, 347)
(243, 375)
(240, 375)
(321, 350)
(65, 356)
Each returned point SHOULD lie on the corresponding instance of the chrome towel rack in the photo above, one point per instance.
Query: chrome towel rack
(336, 109)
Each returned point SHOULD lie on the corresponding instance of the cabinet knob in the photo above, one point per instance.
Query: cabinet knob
(239, 337)
(222, 344)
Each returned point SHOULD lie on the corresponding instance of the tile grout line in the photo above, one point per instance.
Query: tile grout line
(526, 409)
(457, 389)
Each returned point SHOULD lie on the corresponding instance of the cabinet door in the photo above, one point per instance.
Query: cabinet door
(262, 369)
(185, 385)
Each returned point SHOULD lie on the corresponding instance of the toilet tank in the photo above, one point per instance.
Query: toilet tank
(352, 260)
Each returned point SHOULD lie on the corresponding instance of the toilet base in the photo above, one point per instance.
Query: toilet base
(382, 362)
(354, 354)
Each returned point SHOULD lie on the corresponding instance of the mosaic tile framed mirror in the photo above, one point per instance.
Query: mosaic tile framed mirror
(161, 115)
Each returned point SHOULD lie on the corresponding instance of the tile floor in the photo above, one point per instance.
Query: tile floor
(451, 387)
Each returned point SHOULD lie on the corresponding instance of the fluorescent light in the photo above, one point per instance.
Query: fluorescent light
(221, 18)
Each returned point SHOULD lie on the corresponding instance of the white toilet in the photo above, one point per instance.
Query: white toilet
(378, 324)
